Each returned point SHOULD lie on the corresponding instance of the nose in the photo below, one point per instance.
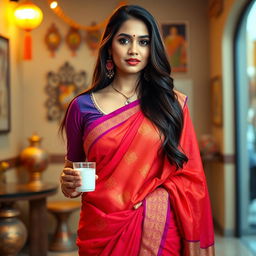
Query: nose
(133, 49)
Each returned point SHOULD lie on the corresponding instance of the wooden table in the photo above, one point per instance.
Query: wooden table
(38, 235)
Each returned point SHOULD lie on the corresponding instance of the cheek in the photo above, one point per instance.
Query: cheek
(146, 55)
(117, 54)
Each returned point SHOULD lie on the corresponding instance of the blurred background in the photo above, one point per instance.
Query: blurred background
(211, 46)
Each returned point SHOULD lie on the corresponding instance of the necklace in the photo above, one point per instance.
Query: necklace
(128, 99)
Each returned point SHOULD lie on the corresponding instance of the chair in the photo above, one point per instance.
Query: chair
(62, 240)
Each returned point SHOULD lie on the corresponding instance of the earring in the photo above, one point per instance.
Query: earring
(110, 68)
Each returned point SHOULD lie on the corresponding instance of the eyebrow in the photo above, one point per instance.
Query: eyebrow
(129, 36)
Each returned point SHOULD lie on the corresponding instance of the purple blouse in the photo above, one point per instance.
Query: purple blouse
(81, 113)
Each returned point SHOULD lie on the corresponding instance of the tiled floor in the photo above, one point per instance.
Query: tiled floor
(230, 246)
(225, 246)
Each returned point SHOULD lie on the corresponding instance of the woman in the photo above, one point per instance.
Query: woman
(151, 196)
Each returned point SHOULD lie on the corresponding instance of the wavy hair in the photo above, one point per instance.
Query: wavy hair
(159, 102)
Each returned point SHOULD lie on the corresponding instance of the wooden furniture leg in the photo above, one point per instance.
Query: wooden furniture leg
(38, 237)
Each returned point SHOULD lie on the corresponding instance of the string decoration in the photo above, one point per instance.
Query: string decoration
(72, 23)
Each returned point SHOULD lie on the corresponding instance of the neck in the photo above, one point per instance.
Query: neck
(126, 84)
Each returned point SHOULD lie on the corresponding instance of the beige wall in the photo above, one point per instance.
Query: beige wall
(28, 78)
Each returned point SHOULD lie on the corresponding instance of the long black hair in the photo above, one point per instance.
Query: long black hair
(158, 100)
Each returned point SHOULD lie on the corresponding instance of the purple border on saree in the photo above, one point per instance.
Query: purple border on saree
(106, 118)
(165, 229)
(110, 115)
(103, 135)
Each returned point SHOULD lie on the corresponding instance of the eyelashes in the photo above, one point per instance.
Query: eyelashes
(125, 41)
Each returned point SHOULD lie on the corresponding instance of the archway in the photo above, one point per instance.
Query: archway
(245, 123)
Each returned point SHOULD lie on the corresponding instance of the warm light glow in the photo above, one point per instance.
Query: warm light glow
(53, 4)
(28, 16)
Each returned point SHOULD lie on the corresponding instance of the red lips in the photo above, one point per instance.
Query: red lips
(132, 61)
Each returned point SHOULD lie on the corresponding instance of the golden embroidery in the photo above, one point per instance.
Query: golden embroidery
(130, 157)
(124, 197)
(193, 248)
(144, 170)
(119, 198)
(111, 183)
(106, 125)
(144, 129)
(181, 98)
(154, 222)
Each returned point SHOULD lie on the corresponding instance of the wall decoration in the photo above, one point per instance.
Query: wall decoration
(92, 38)
(61, 88)
(73, 40)
(5, 111)
(175, 36)
(53, 39)
(215, 8)
(56, 8)
(216, 100)
(93, 31)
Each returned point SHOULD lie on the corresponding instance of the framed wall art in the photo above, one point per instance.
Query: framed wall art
(216, 101)
(175, 36)
(5, 111)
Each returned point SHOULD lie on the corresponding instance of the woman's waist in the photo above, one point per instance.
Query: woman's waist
(110, 201)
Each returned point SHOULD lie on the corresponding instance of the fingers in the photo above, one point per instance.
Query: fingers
(70, 193)
(70, 171)
(70, 179)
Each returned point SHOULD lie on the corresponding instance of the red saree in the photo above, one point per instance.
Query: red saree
(125, 144)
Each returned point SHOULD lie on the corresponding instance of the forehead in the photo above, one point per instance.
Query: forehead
(133, 27)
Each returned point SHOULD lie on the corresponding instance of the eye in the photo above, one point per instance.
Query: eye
(123, 40)
(144, 42)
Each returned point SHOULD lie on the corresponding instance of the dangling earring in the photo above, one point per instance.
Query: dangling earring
(110, 68)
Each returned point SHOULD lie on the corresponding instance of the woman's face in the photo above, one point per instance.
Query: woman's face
(130, 47)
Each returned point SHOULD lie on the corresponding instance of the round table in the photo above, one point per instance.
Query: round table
(38, 236)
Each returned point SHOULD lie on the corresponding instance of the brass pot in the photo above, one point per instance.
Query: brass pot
(13, 233)
(35, 160)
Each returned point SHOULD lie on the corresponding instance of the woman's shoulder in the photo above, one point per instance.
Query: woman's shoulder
(182, 98)
(82, 101)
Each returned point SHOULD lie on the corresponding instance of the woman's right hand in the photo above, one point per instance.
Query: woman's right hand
(70, 179)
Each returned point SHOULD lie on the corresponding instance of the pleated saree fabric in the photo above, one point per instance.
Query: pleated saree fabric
(142, 205)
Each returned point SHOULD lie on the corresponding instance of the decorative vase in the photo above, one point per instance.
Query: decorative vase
(13, 233)
(35, 160)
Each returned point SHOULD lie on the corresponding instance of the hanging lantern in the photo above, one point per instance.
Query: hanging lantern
(28, 17)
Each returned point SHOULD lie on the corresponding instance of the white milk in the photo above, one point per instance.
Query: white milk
(88, 179)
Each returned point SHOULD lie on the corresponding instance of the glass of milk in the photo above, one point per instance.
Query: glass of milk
(87, 173)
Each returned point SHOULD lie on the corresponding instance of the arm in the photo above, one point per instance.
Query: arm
(70, 179)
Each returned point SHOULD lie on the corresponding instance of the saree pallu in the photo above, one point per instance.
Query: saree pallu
(131, 169)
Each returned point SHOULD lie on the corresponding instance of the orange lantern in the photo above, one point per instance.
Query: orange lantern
(28, 17)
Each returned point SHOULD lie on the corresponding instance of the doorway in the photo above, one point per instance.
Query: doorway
(245, 104)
